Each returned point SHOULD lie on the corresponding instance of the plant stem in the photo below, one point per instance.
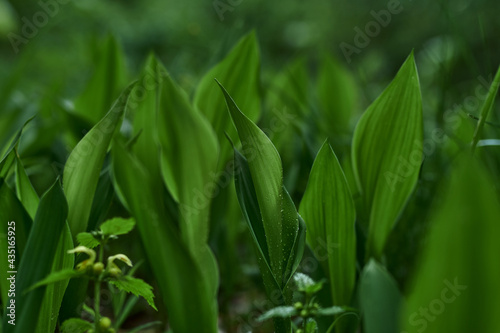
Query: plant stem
(97, 303)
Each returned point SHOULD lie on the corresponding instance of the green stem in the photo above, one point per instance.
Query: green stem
(97, 303)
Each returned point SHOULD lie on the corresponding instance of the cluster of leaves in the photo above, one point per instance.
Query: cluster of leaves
(164, 158)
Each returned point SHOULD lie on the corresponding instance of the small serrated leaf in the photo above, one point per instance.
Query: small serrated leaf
(117, 226)
(279, 312)
(75, 325)
(137, 287)
(86, 239)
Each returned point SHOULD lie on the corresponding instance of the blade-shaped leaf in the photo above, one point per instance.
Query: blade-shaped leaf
(329, 212)
(242, 62)
(37, 260)
(183, 288)
(486, 109)
(189, 153)
(259, 185)
(337, 96)
(83, 167)
(387, 153)
(54, 292)
(455, 283)
(25, 191)
(11, 210)
(105, 84)
(380, 299)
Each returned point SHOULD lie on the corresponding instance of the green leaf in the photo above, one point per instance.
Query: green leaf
(311, 326)
(306, 284)
(380, 299)
(455, 283)
(105, 84)
(82, 169)
(37, 260)
(333, 310)
(188, 165)
(11, 210)
(76, 325)
(329, 212)
(279, 312)
(54, 293)
(54, 277)
(25, 191)
(387, 154)
(183, 288)
(137, 287)
(243, 61)
(337, 96)
(117, 226)
(486, 109)
(9, 155)
(279, 216)
(87, 239)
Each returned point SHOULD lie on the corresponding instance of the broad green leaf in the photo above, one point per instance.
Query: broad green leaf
(243, 61)
(267, 205)
(87, 239)
(117, 226)
(455, 283)
(189, 153)
(37, 260)
(266, 173)
(54, 293)
(387, 154)
(25, 191)
(137, 287)
(279, 312)
(337, 97)
(144, 106)
(486, 108)
(329, 212)
(379, 298)
(183, 288)
(76, 325)
(105, 84)
(11, 210)
(83, 167)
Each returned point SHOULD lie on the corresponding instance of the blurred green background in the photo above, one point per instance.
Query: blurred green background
(456, 47)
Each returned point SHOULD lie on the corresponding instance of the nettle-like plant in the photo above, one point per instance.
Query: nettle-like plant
(103, 272)
(306, 310)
